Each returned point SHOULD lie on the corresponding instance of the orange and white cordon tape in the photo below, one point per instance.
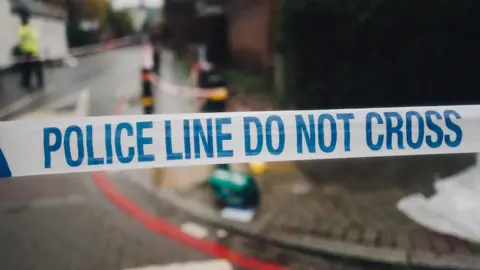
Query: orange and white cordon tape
(84, 50)
(214, 94)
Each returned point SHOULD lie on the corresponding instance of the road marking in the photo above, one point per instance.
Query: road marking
(200, 265)
(26, 100)
(83, 103)
(68, 99)
(71, 61)
(55, 201)
(194, 229)
(45, 202)
(80, 100)
(23, 102)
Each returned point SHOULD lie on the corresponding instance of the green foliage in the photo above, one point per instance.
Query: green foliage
(182, 64)
(361, 53)
(96, 9)
(246, 82)
(239, 80)
(119, 22)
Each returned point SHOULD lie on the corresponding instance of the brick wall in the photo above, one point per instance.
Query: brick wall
(180, 16)
(250, 31)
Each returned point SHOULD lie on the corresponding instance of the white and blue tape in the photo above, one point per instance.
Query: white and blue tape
(144, 141)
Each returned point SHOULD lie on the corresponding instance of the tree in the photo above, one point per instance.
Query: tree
(96, 10)
(119, 22)
(79, 12)
(55, 3)
(359, 53)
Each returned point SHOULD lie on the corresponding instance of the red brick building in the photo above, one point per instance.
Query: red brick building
(250, 36)
(243, 27)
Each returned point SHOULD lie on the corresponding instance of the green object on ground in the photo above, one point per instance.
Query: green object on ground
(234, 189)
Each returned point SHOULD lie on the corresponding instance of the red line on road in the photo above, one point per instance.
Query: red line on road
(163, 227)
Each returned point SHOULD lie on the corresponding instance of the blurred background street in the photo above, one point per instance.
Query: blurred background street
(272, 55)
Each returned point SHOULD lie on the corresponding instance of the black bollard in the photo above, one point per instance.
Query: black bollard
(147, 91)
(228, 191)
(208, 80)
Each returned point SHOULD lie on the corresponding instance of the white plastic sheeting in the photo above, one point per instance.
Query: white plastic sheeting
(453, 210)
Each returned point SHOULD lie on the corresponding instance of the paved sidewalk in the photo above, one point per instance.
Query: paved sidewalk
(134, 183)
(355, 216)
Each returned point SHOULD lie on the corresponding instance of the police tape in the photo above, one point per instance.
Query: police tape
(131, 142)
(80, 51)
(214, 94)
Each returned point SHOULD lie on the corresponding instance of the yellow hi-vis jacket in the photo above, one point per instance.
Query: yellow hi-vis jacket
(28, 40)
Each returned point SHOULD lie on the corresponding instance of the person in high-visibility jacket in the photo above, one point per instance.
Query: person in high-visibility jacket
(28, 41)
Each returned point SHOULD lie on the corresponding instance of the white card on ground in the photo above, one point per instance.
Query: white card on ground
(242, 215)
(194, 229)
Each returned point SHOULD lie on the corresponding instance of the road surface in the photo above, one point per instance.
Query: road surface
(104, 74)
